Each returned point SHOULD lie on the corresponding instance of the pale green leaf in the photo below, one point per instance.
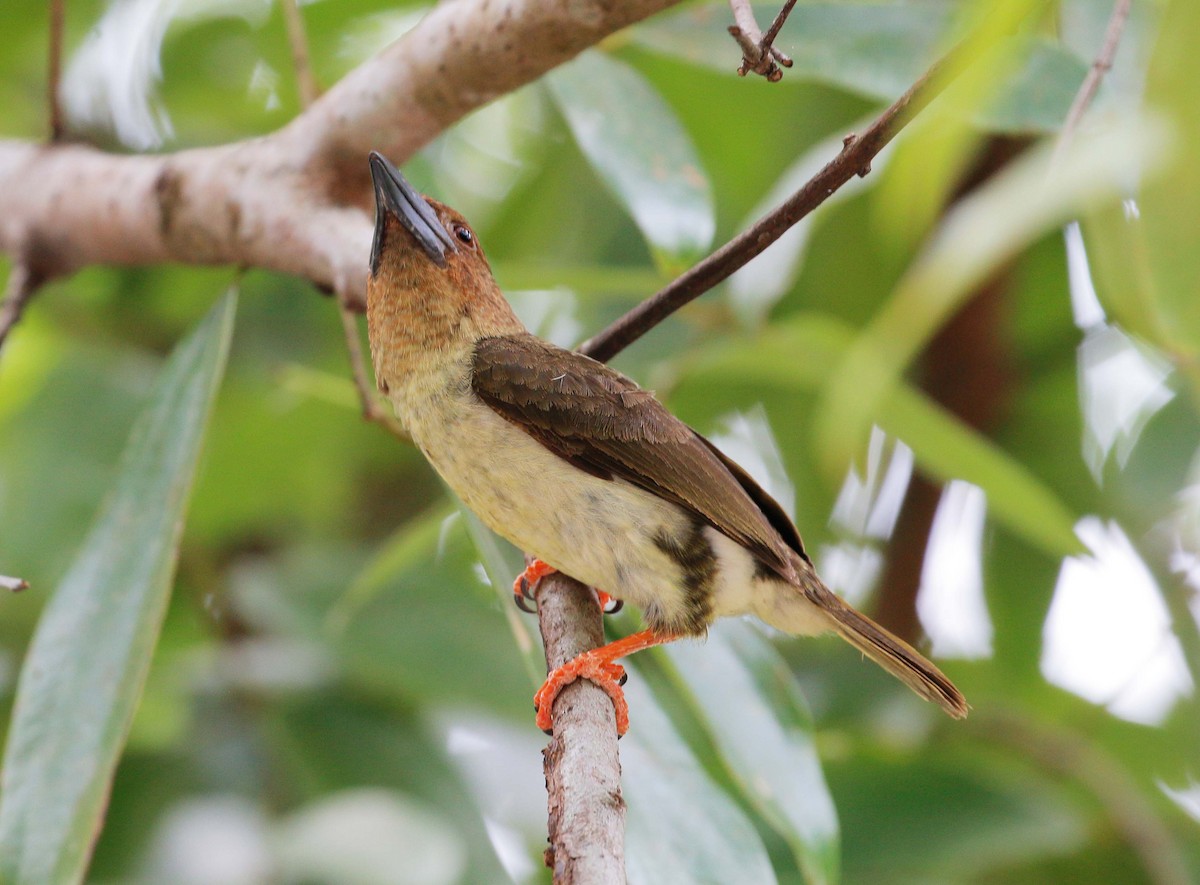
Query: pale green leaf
(84, 672)
(803, 354)
(763, 732)
(975, 238)
(641, 151)
(681, 827)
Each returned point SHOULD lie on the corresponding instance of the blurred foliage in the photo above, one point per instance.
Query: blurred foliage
(341, 688)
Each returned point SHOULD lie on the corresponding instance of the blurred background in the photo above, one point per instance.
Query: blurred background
(972, 377)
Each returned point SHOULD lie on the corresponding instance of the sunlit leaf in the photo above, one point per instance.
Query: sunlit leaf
(641, 151)
(804, 353)
(681, 827)
(764, 734)
(976, 237)
(87, 664)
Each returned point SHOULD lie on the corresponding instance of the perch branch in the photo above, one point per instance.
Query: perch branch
(854, 159)
(583, 772)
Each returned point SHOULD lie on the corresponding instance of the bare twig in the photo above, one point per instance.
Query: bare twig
(16, 585)
(305, 79)
(854, 159)
(1091, 83)
(1132, 817)
(758, 50)
(22, 283)
(371, 410)
(54, 72)
(583, 772)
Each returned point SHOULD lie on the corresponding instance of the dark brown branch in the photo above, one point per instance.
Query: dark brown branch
(54, 72)
(1091, 83)
(758, 50)
(16, 585)
(854, 159)
(22, 283)
(583, 772)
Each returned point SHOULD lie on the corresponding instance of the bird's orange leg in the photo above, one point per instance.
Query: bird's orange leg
(596, 666)
(534, 572)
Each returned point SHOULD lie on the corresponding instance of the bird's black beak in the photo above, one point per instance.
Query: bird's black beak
(395, 197)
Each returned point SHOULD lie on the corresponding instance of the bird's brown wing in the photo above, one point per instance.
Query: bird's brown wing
(603, 423)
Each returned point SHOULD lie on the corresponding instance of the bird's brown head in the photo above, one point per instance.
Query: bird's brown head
(430, 285)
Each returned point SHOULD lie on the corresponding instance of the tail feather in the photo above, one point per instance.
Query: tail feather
(888, 651)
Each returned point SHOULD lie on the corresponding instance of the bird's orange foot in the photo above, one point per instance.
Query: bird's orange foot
(596, 665)
(534, 572)
(526, 581)
(593, 666)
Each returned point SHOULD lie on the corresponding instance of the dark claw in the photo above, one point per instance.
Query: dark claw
(548, 732)
(523, 603)
(614, 606)
(624, 678)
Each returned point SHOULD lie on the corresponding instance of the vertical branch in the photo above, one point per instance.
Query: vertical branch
(583, 771)
(54, 72)
(305, 80)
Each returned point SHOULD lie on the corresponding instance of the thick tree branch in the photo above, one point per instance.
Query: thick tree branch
(293, 201)
(583, 772)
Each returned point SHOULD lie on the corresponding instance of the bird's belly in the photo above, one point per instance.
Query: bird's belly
(605, 533)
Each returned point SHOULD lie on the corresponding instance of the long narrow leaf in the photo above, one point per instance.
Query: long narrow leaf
(642, 152)
(764, 734)
(88, 661)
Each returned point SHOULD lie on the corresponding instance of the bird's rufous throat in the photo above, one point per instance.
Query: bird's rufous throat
(575, 464)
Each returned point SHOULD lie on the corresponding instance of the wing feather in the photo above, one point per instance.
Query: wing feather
(603, 423)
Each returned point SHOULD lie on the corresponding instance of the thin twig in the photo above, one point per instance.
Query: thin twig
(758, 50)
(310, 91)
(54, 72)
(854, 159)
(1091, 83)
(16, 585)
(1132, 817)
(22, 283)
(371, 410)
(583, 771)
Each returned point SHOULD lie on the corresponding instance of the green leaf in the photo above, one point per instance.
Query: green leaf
(681, 827)
(764, 733)
(803, 354)
(975, 238)
(88, 661)
(641, 151)
(950, 449)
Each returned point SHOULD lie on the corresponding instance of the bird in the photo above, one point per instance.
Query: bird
(577, 465)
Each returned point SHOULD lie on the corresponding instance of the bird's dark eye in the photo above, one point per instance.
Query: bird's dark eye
(464, 233)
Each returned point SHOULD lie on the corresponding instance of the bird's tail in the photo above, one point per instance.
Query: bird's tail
(888, 651)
